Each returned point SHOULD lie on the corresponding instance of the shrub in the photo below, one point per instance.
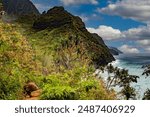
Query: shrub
(146, 95)
(58, 93)
(17, 64)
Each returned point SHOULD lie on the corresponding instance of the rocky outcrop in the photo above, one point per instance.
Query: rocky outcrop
(29, 88)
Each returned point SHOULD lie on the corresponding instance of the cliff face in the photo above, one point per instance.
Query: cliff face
(71, 29)
(19, 7)
(112, 50)
(115, 51)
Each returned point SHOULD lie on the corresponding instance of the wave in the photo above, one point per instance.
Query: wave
(134, 63)
(136, 59)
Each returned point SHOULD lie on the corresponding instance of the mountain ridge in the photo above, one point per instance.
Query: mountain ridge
(19, 7)
(58, 58)
(59, 19)
(115, 51)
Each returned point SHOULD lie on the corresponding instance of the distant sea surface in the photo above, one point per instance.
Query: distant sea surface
(134, 63)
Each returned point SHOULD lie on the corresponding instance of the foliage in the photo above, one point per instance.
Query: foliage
(121, 77)
(129, 92)
(147, 95)
(64, 28)
(74, 84)
(147, 73)
(17, 63)
(58, 93)
(60, 61)
(147, 70)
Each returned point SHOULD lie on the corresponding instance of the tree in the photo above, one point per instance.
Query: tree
(146, 73)
(128, 92)
(147, 70)
(122, 78)
(147, 95)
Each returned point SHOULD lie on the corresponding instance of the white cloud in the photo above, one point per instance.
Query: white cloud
(74, 2)
(128, 49)
(138, 33)
(91, 17)
(139, 36)
(144, 42)
(84, 18)
(109, 33)
(42, 7)
(106, 32)
(138, 10)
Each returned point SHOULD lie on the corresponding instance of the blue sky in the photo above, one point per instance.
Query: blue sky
(124, 24)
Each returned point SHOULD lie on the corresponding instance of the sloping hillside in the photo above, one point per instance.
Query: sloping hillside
(59, 26)
(17, 62)
(22, 60)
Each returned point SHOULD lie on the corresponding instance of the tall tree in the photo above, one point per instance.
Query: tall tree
(147, 70)
(146, 73)
(122, 78)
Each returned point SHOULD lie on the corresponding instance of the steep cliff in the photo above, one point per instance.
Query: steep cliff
(63, 25)
(115, 51)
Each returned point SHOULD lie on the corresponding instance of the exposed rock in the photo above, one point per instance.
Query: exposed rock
(29, 88)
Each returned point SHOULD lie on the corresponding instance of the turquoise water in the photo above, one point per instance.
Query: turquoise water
(134, 64)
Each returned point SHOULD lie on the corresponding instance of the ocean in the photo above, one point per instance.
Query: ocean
(134, 63)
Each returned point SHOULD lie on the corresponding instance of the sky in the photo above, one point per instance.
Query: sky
(124, 24)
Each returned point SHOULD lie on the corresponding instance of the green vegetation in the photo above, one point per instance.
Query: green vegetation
(58, 23)
(17, 63)
(75, 84)
(147, 70)
(121, 77)
(60, 58)
(147, 95)
(147, 74)
(61, 73)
